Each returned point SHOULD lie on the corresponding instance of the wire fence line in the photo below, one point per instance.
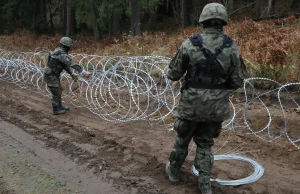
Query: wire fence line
(123, 89)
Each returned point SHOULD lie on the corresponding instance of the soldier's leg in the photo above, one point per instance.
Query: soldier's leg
(66, 108)
(53, 84)
(56, 99)
(185, 130)
(204, 138)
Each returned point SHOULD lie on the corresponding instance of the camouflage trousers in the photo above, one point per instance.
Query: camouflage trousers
(56, 95)
(203, 134)
(53, 83)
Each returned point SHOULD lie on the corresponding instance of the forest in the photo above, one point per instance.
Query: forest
(100, 18)
(267, 31)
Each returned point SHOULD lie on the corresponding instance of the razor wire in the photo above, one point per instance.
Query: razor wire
(120, 89)
(256, 175)
(123, 89)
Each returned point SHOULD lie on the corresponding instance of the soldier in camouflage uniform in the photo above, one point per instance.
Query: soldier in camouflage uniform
(58, 61)
(212, 65)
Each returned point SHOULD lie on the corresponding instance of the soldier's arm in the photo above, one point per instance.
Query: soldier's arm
(178, 65)
(237, 71)
(67, 61)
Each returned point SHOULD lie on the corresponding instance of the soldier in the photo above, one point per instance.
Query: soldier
(212, 65)
(58, 61)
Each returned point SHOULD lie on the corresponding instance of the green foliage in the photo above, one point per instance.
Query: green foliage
(82, 11)
(275, 72)
(104, 10)
(9, 11)
(28, 14)
(148, 4)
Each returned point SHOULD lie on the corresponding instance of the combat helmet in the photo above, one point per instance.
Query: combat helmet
(214, 11)
(66, 41)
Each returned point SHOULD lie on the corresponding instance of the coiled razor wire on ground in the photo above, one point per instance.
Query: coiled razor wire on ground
(257, 174)
(123, 89)
(268, 135)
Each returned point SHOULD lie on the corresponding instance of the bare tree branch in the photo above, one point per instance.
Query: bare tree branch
(243, 7)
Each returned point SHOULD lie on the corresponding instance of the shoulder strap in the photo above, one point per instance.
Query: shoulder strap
(59, 52)
(211, 66)
(196, 39)
(227, 42)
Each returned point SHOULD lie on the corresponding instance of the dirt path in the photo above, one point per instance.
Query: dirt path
(130, 157)
(28, 166)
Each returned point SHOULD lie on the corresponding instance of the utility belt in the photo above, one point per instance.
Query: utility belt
(208, 86)
(53, 71)
(187, 85)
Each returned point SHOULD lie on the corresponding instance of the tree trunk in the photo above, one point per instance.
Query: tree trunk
(189, 13)
(271, 7)
(35, 16)
(135, 27)
(97, 35)
(52, 12)
(295, 5)
(229, 6)
(184, 13)
(3, 26)
(68, 16)
(176, 10)
(51, 15)
(43, 15)
(257, 10)
(72, 21)
(197, 7)
(115, 23)
(38, 22)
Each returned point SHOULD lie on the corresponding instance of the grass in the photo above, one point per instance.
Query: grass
(270, 48)
(27, 178)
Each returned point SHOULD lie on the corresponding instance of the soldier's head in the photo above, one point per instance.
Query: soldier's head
(214, 15)
(66, 43)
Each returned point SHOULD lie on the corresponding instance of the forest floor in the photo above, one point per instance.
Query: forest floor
(80, 153)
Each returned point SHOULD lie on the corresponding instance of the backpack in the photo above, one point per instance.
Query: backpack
(207, 72)
(54, 64)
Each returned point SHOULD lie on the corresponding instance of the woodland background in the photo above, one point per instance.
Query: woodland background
(102, 17)
(267, 31)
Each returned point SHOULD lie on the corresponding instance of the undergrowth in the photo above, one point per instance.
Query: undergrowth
(270, 48)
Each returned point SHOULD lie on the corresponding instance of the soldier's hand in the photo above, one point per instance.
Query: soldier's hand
(86, 74)
(74, 77)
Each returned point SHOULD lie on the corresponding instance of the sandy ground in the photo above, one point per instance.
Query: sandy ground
(78, 152)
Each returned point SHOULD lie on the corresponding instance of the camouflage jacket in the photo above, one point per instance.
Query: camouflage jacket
(58, 61)
(207, 105)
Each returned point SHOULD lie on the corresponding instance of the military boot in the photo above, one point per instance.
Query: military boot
(205, 188)
(172, 176)
(66, 108)
(58, 111)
